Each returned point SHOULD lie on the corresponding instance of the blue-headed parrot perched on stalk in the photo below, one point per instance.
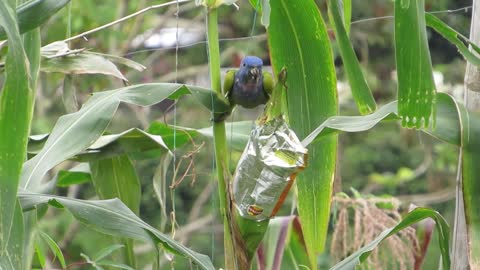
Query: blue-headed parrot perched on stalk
(247, 86)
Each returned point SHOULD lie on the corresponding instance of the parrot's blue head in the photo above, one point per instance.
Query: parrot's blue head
(252, 61)
(251, 69)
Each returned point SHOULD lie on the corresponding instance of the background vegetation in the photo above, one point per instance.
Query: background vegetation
(389, 160)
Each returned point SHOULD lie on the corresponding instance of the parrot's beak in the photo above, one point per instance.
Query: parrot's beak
(254, 72)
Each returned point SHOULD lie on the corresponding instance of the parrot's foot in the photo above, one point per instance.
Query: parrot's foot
(220, 117)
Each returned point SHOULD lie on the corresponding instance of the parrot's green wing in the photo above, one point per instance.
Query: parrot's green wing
(227, 90)
(267, 82)
(228, 83)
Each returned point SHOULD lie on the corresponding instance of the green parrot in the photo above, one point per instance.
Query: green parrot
(247, 86)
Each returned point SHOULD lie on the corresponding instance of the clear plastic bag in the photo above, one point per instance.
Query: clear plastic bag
(267, 169)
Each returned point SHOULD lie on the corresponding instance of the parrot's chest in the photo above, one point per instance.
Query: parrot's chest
(248, 94)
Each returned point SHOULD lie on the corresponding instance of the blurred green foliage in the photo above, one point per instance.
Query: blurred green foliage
(375, 162)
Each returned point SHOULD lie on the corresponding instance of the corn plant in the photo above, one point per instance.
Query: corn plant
(300, 45)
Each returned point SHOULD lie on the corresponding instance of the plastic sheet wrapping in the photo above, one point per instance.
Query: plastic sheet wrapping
(267, 169)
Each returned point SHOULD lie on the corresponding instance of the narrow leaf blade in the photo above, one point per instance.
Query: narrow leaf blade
(54, 248)
(82, 63)
(347, 14)
(455, 38)
(77, 175)
(447, 128)
(360, 90)
(470, 180)
(104, 252)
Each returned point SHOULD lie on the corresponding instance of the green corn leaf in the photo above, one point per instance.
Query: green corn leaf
(77, 175)
(416, 87)
(172, 135)
(295, 256)
(32, 44)
(82, 64)
(298, 41)
(104, 252)
(11, 257)
(115, 265)
(75, 132)
(249, 233)
(360, 90)
(447, 128)
(54, 248)
(40, 255)
(116, 178)
(262, 6)
(424, 231)
(36, 143)
(16, 109)
(140, 144)
(455, 38)
(158, 136)
(413, 217)
(256, 4)
(30, 233)
(134, 142)
(160, 183)
(69, 94)
(120, 60)
(470, 130)
(34, 13)
(283, 246)
(271, 251)
(112, 217)
(352, 123)
(237, 133)
(347, 14)
(448, 124)
(58, 57)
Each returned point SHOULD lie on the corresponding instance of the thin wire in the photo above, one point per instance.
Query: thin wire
(253, 26)
(252, 37)
(212, 194)
(176, 80)
(84, 34)
(465, 9)
(175, 125)
(175, 105)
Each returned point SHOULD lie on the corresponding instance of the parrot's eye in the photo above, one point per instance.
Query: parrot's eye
(243, 64)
